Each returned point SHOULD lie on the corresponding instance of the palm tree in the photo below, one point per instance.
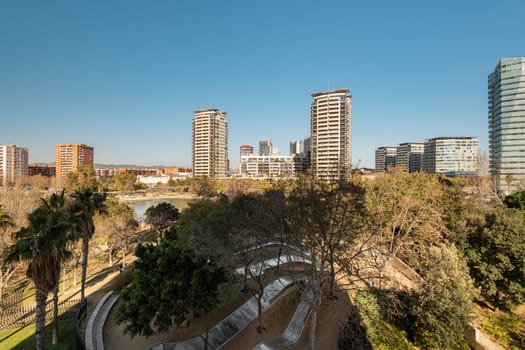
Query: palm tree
(43, 245)
(86, 204)
(5, 270)
(508, 180)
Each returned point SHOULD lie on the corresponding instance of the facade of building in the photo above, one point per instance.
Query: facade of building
(268, 167)
(13, 163)
(41, 169)
(210, 144)
(452, 156)
(409, 157)
(70, 157)
(506, 94)
(331, 134)
(385, 159)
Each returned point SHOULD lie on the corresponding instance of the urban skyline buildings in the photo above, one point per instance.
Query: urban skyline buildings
(331, 134)
(506, 112)
(210, 143)
(385, 159)
(70, 157)
(13, 162)
(409, 156)
(452, 156)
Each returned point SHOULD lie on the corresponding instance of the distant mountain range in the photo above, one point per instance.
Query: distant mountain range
(113, 166)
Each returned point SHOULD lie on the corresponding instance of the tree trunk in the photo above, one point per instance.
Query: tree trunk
(41, 299)
(85, 250)
(55, 316)
(110, 253)
(75, 274)
(260, 327)
(313, 326)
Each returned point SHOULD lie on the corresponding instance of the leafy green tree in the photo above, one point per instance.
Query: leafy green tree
(161, 216)
(85, 205)
(84, 177)
(170, 284)
(516, 201)
(124, 181)
(43, 244)
(496, 257)
(443, 308)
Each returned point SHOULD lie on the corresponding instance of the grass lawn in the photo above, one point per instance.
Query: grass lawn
(24, 338)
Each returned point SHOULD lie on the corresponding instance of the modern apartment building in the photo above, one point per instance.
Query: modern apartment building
(385, 159)
(331, 134)
(409, 157)
(506, 93)
(210, 143)
(70, 157)
(13, 163)
(268, 167)
(452, 156)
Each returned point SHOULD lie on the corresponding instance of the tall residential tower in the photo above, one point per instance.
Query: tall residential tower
(210, 143)
(13, 162)
(331, 134)
(70, 157)
(506, 87)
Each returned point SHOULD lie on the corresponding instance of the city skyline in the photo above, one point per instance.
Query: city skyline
(125, 78)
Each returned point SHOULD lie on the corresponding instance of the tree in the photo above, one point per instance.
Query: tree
(86, 204)
(496, 257)
(6, 222)
(255, 223)
(508, 180)
(161, 216)
(406, 208)
(170, 284)
(83, 178)
(117, 224)
(328, 220)
(124, 181)
(442, 309)
(43, 245)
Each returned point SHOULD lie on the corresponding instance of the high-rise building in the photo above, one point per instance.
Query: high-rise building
(506, 85)
(385, 159)
(70, 157)
(331, 134)
(210, 143)
(265, 148)
(452, 156)
(13, 162)
(409, 157)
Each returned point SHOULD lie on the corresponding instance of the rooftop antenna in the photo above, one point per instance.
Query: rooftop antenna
(328, 84)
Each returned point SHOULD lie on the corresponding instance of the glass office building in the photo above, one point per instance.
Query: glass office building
(506, 94)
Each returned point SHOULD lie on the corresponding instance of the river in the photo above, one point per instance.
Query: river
(140, 206)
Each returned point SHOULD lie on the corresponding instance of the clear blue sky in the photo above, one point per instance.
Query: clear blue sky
(125, 76)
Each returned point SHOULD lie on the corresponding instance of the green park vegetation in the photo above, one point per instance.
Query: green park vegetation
(458, 248)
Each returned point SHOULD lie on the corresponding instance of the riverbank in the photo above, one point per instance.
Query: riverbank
(155, 196)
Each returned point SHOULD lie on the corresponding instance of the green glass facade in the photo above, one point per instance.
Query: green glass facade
(506, 93)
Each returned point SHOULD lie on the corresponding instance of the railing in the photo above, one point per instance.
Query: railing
(21, 316)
